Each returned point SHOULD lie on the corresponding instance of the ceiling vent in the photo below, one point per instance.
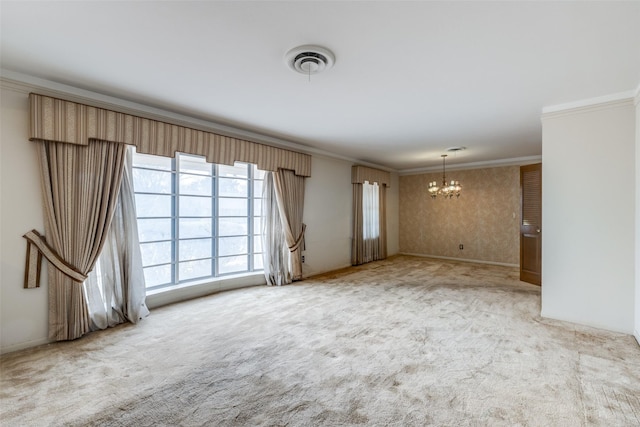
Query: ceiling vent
(309, 59)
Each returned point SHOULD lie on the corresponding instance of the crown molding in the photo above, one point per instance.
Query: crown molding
(591, 104)
(515, 161)
(24, 83)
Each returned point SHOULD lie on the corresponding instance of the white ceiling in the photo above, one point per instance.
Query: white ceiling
(410, 78)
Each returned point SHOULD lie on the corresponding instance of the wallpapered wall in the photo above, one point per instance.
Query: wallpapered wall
(485, 219)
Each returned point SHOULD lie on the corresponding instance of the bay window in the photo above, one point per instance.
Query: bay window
(196, 220)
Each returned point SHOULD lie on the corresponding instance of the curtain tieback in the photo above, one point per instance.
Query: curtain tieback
(36, 247)
(299, 241)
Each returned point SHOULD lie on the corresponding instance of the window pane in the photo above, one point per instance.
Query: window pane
(154, 229)
(195, 206)
(156, 253)
(257, 207)
(257, 188)
(232, 187)
(232, 226)
(184, 187)
(194, 164)
(151, 205)
(232, 246)
(194, 227)
(257, 262)
(257, 173)
(195, 249)
(194, 269)
(257, 244)
(153, 162)
(160, 275)
(148, 181)
(232, 207)
(232, 264)
(240, 170)
(197, 185)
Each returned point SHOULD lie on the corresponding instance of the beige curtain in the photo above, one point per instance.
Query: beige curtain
(289, 191)
(80, 188)
(357, 244)
(363, 249)
(59, 120)
(82, 150)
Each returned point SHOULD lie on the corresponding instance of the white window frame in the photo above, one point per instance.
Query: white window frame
(253, 257)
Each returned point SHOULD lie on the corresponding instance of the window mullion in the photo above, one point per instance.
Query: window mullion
(214, 219)
(250, 218)
(176, 218)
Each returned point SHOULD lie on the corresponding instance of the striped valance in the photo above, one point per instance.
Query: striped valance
(360, 174)
(58, 120)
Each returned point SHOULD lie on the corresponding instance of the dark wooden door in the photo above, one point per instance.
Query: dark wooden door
(531, 225)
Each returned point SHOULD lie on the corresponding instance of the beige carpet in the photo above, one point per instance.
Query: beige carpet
(403, 342)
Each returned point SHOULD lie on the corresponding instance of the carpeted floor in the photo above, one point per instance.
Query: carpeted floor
(403, 342)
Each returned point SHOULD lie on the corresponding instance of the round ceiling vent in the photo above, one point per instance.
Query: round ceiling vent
(309, 59)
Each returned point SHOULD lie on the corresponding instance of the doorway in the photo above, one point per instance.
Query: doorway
(531, 223)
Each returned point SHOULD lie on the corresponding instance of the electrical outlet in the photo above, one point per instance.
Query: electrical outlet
(461, 247)
(302, 258)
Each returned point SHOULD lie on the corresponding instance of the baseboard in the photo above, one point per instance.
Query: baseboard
(476, 261)
(636, 334)
(323, 272)
(589, 324)
(24, 345)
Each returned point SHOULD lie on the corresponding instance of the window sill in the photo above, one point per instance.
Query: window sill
(172, 294)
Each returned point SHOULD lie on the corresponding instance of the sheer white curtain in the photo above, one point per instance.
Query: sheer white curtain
(370, 211)
(369, 222)
(275, 255)
(115, 289)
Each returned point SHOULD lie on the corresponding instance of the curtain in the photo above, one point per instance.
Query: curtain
(289, 189)
(80, 189)
(115, 289)
(357, 244)
(275, 255)
(59, 120)
(369, 223)
(283, 230)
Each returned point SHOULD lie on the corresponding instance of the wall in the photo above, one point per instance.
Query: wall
(637, 254)
(327, 213)
(485, 219)
(23, 312)
(588, 214)
(393, 216)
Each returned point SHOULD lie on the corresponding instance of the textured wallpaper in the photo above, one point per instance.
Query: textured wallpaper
(485, 219)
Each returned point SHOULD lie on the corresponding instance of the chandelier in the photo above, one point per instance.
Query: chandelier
(448, 190)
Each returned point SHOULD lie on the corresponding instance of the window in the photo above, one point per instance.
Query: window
(196, 220)
(370, 210)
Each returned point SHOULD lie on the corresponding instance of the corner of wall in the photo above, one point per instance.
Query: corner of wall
(602, 295)
(637, 218)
